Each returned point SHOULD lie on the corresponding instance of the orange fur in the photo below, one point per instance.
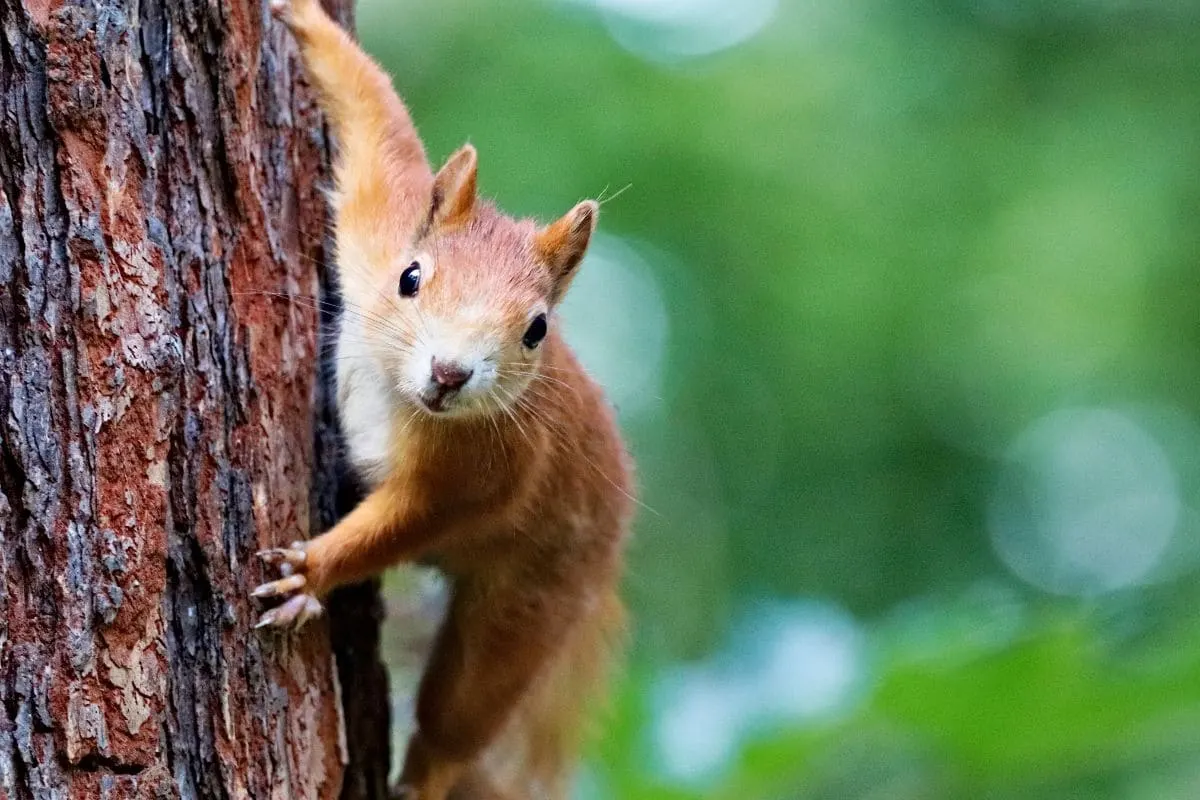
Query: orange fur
(516, 485)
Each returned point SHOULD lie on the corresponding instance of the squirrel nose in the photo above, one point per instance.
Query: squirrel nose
(450, 375)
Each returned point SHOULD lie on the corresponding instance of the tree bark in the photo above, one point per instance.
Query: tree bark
(162, 414)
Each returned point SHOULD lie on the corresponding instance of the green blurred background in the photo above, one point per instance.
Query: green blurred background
(900, 313)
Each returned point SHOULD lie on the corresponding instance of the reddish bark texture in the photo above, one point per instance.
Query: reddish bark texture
(161, 416)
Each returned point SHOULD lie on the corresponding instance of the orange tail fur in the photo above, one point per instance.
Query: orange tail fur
(535, 756)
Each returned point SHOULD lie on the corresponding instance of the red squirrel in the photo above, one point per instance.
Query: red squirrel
(487, 450)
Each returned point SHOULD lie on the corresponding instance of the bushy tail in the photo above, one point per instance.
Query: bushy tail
(536, 756)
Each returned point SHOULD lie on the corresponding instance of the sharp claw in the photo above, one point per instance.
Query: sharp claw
(294, 612)
(281, 616)
(293, 556)
(299, 610)
(282, 586)
(312, 609)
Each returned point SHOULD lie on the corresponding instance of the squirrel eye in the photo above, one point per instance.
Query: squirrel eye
(535, 332)
(410, 280)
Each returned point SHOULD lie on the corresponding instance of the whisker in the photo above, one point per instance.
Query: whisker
(512, 414)
(604, 201)
(577, 452)
(536, 377)
(344, 309)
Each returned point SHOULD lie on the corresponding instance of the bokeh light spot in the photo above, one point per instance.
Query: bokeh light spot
(788, 664)
(1087, 503)
(617, 323)
(672, 30)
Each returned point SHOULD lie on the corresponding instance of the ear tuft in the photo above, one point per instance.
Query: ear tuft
(454, 189)
(562, 243)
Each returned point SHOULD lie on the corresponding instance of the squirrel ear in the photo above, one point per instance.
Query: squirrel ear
(562, 243)
(454, 188)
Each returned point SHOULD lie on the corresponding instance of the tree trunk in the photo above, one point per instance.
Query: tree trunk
(161, 412)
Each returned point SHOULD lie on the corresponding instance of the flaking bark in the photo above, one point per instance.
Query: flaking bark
(161, 414)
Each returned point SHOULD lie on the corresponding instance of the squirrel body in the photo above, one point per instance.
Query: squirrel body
(485, 447)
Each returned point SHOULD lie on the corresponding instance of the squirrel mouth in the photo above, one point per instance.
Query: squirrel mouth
(437, 400)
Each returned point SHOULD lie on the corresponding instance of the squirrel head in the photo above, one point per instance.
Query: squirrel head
(461, 316)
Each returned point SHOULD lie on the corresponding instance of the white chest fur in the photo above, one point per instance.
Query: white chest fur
(365, 407)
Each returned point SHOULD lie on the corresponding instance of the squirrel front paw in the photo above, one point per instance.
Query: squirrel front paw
(293, 11)
(300, 606)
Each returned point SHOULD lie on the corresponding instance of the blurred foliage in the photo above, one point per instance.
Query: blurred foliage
(889, 237)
